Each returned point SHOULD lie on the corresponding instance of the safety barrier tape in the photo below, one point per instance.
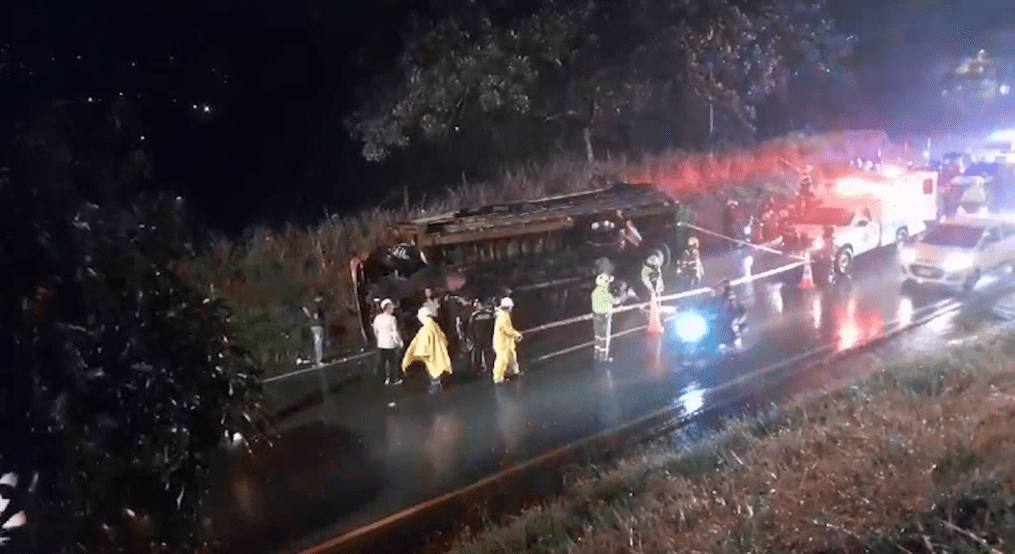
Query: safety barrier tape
(342, 361)
(738, 241)
(665, 299)
(554, 324)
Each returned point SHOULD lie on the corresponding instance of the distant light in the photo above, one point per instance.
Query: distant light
(79, 56)
(142, 137)
(133, 64)
(1003, 135)
(194, 106)
(207, 108)
(90, 99)
(121, 94)
(1004, 90)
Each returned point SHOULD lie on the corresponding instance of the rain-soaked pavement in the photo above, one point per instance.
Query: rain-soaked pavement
(369, 451)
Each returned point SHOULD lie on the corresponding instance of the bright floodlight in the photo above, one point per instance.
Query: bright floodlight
(690, 327)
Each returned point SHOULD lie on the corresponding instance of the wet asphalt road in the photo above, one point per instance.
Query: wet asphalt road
(370, 451)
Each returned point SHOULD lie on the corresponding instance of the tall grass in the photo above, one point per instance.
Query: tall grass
(270, 274)
(918, 458)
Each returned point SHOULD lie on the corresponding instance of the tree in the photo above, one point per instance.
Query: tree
(589, 68)
(118, 381)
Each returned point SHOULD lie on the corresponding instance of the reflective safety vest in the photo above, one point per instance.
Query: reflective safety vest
(602, 300)
(653, 273)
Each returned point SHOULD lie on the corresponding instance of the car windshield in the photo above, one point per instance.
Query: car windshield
(961, 236)
(981, 170)
(839, 217)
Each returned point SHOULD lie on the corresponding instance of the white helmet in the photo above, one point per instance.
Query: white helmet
(386, 302)
(506, 302)
(604, 279)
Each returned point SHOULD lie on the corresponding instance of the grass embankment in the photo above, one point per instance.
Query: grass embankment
(916, 458)
(270, 274)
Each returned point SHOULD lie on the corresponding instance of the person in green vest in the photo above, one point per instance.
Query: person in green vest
(603, 302)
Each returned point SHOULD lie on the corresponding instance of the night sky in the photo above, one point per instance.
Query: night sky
(243, 100)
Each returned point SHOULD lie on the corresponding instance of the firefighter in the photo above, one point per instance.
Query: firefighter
(480, 333)
(504, 339)
(733, 313)
(652, 274)
(689, 265)
(429, 346)
(731, 222)
(805, 196)
(824, 264)
(769, 218)
(787, 230)
(603, 303)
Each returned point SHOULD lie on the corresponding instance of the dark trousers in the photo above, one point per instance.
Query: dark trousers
(387, 363)
(601, 327)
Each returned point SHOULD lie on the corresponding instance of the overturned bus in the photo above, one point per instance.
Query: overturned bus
(545, 253)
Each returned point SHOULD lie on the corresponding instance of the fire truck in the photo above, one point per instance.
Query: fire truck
(861, 211)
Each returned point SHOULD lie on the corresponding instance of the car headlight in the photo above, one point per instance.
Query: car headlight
(957, 262)
(907, 256)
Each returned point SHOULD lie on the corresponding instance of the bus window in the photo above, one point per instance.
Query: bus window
(928, 186)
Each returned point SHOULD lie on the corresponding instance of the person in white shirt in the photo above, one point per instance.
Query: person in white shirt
(388, 343)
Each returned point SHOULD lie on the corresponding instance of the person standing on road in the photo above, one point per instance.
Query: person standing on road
(480, 336)
(316, 316)
(689, 266)
(504, 339)
(429, 346)
(389, 340)
(731, 222)
(652, 275)
(432, 302)
(603, 302)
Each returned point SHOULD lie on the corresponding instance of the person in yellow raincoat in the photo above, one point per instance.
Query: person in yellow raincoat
(504, 338)
(429, 346)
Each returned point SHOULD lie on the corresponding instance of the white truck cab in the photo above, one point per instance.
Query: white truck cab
(855, 231)
(869, 210)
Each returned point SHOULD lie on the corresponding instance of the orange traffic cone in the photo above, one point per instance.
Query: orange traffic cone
(655, 323)
(807, 281)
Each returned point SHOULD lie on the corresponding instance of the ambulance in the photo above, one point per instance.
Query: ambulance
(868, 210)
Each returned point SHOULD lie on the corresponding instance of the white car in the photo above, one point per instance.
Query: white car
(957, 252)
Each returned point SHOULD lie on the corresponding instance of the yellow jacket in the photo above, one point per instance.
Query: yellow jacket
(429, 346)
(504, 334)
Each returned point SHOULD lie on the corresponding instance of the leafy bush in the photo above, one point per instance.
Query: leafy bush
(118, 381)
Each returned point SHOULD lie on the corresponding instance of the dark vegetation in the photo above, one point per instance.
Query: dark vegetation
(118, 380)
